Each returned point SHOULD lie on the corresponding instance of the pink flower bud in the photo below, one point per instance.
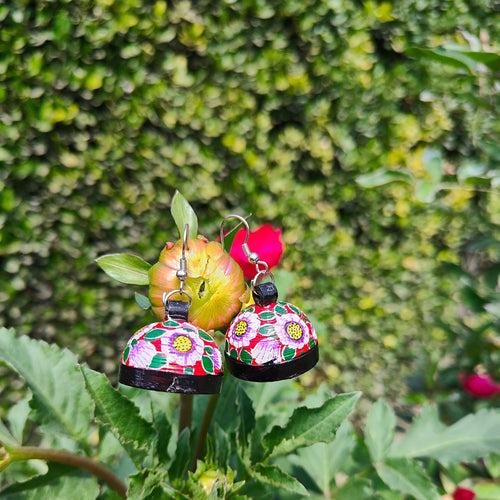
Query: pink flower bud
(463, 494)
(265, 241)
(479, 385)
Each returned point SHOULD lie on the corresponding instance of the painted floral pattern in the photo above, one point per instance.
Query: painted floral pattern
(276, 333)
(243, 329)
(175, 347)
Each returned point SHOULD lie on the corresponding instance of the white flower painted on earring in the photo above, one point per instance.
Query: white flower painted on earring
(268, 349)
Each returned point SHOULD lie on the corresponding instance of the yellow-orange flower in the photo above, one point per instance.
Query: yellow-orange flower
(215, 282)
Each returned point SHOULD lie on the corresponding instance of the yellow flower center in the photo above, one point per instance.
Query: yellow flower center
(294, 331)
(182, 343)
(240, 328)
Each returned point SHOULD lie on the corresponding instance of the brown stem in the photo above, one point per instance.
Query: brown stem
(185, 412)
(205, 424)
(67, 458)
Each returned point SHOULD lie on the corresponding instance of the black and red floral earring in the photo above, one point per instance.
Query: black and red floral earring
(269, 340)
(173, 355)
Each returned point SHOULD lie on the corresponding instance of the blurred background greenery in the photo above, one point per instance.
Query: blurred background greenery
(273, 108)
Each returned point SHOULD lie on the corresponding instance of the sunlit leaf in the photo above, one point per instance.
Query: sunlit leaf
(381, 177)
(60, 398)
(183, 214)
(125, 268)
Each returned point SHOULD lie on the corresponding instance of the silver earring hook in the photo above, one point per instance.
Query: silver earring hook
(261, 266)
(253, 257)
(182, 271)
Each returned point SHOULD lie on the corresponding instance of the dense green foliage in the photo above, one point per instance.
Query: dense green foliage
(258, 445)
(272, 108)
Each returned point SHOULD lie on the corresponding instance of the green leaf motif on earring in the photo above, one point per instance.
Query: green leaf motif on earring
(158, 361)
(205, 336)
(266, 315)
(266, 329)
(246, 357)
(208, 364)
(288, 353)
(280, 309)
(154, 334)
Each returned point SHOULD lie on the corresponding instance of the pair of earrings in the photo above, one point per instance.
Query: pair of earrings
(269, 340)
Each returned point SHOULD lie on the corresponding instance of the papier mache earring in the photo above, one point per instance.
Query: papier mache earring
(270, 340)
(173, 355)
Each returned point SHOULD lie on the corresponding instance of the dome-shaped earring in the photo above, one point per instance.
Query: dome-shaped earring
(173, 355)
(270, 340)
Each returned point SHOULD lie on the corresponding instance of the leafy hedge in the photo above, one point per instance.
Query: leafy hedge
(106, 107)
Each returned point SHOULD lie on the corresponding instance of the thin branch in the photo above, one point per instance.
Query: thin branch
(64, 457)
(185, 411)
(205, 424)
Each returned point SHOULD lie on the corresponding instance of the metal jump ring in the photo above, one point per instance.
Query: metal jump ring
(167, 296)
(260, 276)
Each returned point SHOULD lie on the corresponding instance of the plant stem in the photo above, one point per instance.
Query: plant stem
(67, 458)
(185, 412)
(205, 424)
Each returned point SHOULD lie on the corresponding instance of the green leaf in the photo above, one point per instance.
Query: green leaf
(246, 415)
(17, 416)
(470, 170)
(408, 477)
(310, 425)
(433, 163)
(487, 491)
(151, 484)
(276, 478)
(142, 301)
(489, 59)
(120, 416)
(163, 435)
(451, 58)
(425, 191)
(6, 438)
(472, 437)
(379, 431)
(208, 364)
(354, 489)
(288, 353)
(125, 268)
(59, 396)
(245, 356)
(183, 214)
(381, 177)
(182, 455)
(222, 446)
(493, 465)
(59, 483)
(322, 461)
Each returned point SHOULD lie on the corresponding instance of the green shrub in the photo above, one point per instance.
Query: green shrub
(252, 441)
(244, 106)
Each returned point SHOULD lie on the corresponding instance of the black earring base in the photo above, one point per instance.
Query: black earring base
(153, 380)
(273, 372)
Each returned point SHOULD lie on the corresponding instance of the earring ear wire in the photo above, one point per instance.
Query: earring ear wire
(261, 266)
(182, 271)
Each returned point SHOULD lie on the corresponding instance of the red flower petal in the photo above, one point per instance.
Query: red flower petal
(479, 385)
(265, 240)
(463, 494)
